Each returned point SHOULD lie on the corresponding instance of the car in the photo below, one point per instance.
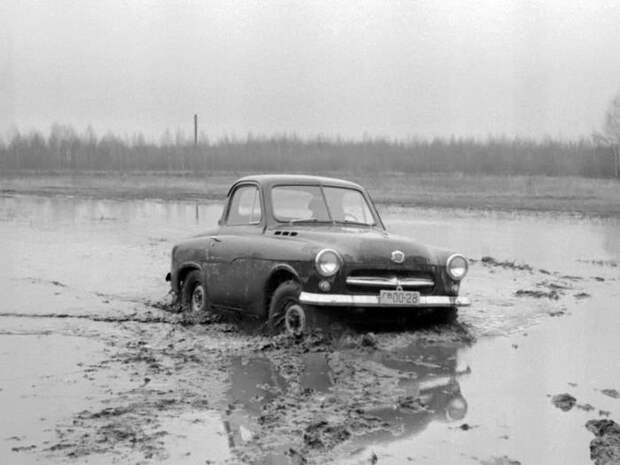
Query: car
(290, 247)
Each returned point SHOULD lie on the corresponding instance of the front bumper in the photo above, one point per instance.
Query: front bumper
(348, 300)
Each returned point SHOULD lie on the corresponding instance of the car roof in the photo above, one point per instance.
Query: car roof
(275, 179)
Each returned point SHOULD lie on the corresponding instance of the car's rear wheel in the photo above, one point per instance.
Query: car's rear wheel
(194, 293)
(286, 314)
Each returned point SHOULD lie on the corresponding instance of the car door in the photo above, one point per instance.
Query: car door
(229, 267)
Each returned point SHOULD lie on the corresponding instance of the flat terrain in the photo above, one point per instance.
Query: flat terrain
(588, 196)
(97, 368)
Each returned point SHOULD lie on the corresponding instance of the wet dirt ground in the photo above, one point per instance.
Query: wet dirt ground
(94, 368)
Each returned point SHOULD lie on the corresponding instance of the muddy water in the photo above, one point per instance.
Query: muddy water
(90, 371)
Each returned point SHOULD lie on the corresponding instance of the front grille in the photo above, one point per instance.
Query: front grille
(372, 281)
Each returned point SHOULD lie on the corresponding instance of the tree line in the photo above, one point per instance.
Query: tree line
(64, 149)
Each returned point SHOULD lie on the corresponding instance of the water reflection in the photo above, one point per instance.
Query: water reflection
(428, 378)
(253, 383)
(425, 382)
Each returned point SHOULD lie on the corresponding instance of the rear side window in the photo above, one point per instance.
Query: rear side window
(244, 206)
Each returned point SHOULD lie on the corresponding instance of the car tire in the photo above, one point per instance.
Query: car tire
(286, 314)
(194, 293)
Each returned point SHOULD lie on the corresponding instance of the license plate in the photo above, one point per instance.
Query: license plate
(399, 297)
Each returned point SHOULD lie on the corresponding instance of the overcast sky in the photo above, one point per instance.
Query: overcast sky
(397, 69)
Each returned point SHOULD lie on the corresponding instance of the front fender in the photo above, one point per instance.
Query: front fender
(179, 271)
(285, 267)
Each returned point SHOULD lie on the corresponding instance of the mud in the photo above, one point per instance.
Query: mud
(104, 370)
(613, 393)
(500, 461)
(564, 402)
(552, 294)
(607, 263)
(605, 447)
(512, 265)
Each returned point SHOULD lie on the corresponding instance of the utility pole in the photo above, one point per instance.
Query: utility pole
(195, 130)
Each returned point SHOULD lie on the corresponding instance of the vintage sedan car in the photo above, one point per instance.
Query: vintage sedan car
(289, 245)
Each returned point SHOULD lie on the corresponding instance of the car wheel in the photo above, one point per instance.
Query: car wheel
(286, 314)
(194, 294)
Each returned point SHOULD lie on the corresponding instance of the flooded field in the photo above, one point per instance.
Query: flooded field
(94, 369)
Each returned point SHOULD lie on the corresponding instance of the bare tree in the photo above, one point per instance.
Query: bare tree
(611, 132)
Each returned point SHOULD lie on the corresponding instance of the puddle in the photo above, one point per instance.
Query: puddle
(424, 388)
(81, 339)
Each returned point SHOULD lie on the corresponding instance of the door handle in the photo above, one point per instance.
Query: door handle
(215, 238)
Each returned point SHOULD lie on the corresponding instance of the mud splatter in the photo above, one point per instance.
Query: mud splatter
(44, 281)
(23, 448)
(490, 261)
(323, 435)
(608, 263)
(613, 393)
(585, 407)
(538, 294)
(503, 460)
(582, 295)
(564, 402)
(467, 427)
(605, 447)
(556, 313)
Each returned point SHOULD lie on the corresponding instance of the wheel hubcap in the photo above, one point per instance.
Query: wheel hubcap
(295, 320)
(198, 297)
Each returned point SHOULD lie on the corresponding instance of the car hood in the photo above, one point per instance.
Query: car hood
(369, 246)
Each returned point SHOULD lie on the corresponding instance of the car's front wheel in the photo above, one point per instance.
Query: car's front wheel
(194, 293)
(286, 314)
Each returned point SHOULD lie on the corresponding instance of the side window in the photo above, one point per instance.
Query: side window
(354, 207)
(244, 206)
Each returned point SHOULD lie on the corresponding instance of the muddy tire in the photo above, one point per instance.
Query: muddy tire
(286, 314)
(194, 294)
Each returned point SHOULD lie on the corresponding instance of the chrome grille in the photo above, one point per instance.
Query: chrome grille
(374, 280)
(387, 282)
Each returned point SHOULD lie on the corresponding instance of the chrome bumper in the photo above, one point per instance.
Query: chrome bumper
(346, 300)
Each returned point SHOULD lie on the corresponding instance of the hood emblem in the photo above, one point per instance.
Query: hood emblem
(398, 256)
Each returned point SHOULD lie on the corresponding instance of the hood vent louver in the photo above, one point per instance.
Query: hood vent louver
(285, 233)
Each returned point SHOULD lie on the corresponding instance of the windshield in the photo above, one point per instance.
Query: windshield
(316, 204)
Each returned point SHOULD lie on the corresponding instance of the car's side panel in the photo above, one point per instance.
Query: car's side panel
(240, 265)
(221, 276)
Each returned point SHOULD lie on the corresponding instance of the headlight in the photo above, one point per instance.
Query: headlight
(456, 266)
(456, 408)
(328, 262)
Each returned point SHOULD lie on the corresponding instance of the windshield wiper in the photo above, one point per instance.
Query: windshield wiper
(308, 220)
(357, 223)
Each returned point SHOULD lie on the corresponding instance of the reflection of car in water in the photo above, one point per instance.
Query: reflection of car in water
(427, 375)
(435, 386)
(288, 245)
